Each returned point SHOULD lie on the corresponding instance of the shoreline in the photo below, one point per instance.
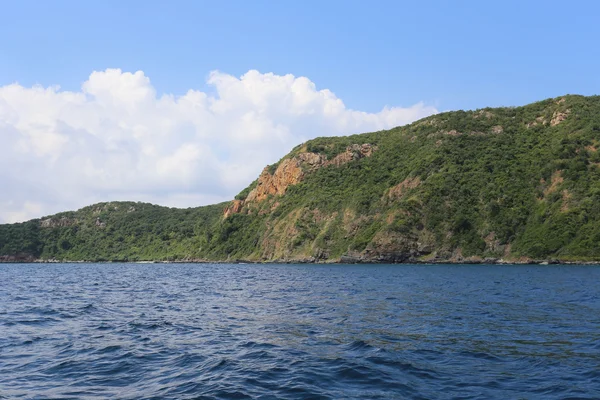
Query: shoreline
(341, 261)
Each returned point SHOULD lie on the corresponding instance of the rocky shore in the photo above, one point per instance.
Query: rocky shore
(345, 259)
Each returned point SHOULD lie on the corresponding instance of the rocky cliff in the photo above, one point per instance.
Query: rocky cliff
(514, 184)
(291, 171)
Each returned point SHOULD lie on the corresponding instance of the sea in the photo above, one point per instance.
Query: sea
(306, 331)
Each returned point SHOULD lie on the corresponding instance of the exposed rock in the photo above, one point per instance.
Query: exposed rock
(233, 208)
(105, 207)
(292, 171)
(320, 254)
(483, 113)
(349, 259)
(396, 192)
(17, 258)
(538, 120)
(497, 129)
(558, 117)
(473, 260)
(353, 153)
(492, 244)
(393, 247)
(289, 172)
(57, 222)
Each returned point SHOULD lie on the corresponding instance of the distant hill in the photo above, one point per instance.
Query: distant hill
(512, 184)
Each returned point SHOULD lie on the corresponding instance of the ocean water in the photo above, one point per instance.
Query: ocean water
(202, 331)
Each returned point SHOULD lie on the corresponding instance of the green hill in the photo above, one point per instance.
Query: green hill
(514, 183)
(116, 231)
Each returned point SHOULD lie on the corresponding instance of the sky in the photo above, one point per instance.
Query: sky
(184, 103)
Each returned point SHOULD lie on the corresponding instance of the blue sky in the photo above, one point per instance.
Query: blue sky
(184, 103)
(456, 54)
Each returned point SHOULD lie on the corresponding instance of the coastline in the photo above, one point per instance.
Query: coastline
(344, 260)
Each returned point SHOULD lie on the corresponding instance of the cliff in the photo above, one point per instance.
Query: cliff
(291, 171)
(512, 184)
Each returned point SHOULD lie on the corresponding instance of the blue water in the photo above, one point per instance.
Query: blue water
(191, 331)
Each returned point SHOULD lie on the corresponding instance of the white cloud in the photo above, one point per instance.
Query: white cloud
(116, 140)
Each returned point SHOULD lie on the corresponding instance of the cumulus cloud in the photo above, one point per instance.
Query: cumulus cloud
(116, 139)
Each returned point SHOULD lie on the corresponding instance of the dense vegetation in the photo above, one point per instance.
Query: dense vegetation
(513, 183)
(118, 231)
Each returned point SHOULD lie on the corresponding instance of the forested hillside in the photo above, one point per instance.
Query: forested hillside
(509, 184)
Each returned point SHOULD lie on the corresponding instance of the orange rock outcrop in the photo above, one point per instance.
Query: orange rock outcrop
(292, 171)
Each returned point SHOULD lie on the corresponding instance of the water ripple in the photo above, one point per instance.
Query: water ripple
(129, 331)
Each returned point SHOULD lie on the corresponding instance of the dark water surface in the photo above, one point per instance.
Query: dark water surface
(187, 331)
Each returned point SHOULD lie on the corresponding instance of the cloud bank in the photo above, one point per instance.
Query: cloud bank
(116, 139)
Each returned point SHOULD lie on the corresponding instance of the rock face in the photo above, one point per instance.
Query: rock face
(353, 153)
(57, 222)
(289, 172)
(559, 117)
(292, 171)
(497, 129)
(234, 208)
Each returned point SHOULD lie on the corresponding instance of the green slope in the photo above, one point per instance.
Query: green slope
(117, 231)
(513, 183)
